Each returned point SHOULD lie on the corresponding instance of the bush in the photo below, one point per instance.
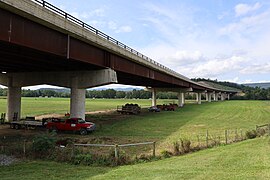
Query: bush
(185, 145)
(84, 159)
(261, 132)
(44, 143)
(176, 148)
(251, 134)
(165, 153)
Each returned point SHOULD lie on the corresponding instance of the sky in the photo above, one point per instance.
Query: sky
(228, 40)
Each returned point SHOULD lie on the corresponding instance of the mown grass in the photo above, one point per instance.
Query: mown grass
(245, 160)
(40, 106)
(192, 120)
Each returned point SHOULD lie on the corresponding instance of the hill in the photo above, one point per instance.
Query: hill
(261, 85)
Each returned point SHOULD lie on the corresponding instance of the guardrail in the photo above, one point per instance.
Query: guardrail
(117, 146)
(84, 25)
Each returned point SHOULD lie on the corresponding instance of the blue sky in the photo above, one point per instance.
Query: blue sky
(217, 39)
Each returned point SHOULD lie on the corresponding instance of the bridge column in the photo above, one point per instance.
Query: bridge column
(217, 96)
(77, 100)
(180, 100)
(77, 103)
(13, 102)
(214, 96)
(183, 98)
(222, 96)
(199, 98)
(209, 97)
(154, 97)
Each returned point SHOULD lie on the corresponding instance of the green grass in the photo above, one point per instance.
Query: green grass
(245, 160)
(237, 161)
(33, 170)
(40, 106)
(192, 120)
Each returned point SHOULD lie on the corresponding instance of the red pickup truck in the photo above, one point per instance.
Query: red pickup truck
(72, 124)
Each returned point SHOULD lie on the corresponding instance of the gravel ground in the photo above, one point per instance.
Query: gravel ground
(7, 160)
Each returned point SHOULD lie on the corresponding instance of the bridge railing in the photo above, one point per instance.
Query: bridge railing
(77, 21)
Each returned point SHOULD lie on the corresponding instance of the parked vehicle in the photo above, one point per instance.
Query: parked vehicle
(71, 124)
(153, 109)
(129, 109)
(28, 122)
(165, 107)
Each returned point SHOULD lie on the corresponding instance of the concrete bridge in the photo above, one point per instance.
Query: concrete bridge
(41, 44)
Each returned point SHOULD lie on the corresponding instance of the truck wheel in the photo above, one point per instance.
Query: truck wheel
(83, 132)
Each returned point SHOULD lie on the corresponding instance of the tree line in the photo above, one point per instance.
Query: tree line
(108, 93)
(249, 93)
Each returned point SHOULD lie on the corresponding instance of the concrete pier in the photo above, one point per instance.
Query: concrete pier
(77, 103)
(154, 97)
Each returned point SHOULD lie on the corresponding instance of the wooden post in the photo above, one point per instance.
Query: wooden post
(73, 151)
(269, 129)
(198, 137)
(24, 147)
(116, 152)
(154, 149)
(206, 138)
(226, 136)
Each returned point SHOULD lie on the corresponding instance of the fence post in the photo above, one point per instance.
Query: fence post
(198, 138)
(226, 136)
(154, 149)
(24, 147)
(116, 152)
(73, 151)
(206, 138)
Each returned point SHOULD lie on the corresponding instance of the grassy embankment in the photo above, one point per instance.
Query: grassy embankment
(245, 160)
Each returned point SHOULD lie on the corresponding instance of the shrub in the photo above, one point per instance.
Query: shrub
(261, 132)
(251, 134)
(176, 148)
(165, 153)
(185, 145)
(44, 143)
(85, 159)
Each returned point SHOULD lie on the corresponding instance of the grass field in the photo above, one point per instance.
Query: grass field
(190, 121)
(40, 106)
(245, 160)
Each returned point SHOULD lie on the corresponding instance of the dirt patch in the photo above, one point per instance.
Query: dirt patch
(40, 117)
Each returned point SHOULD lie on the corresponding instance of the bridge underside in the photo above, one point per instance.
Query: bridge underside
(27, 46)
(36, 50)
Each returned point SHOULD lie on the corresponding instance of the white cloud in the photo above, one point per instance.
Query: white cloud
(119, 29)
(182, 57)
(246, 25)
(213, 67)
(123, 29)
(257, 69)
(243, 9)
